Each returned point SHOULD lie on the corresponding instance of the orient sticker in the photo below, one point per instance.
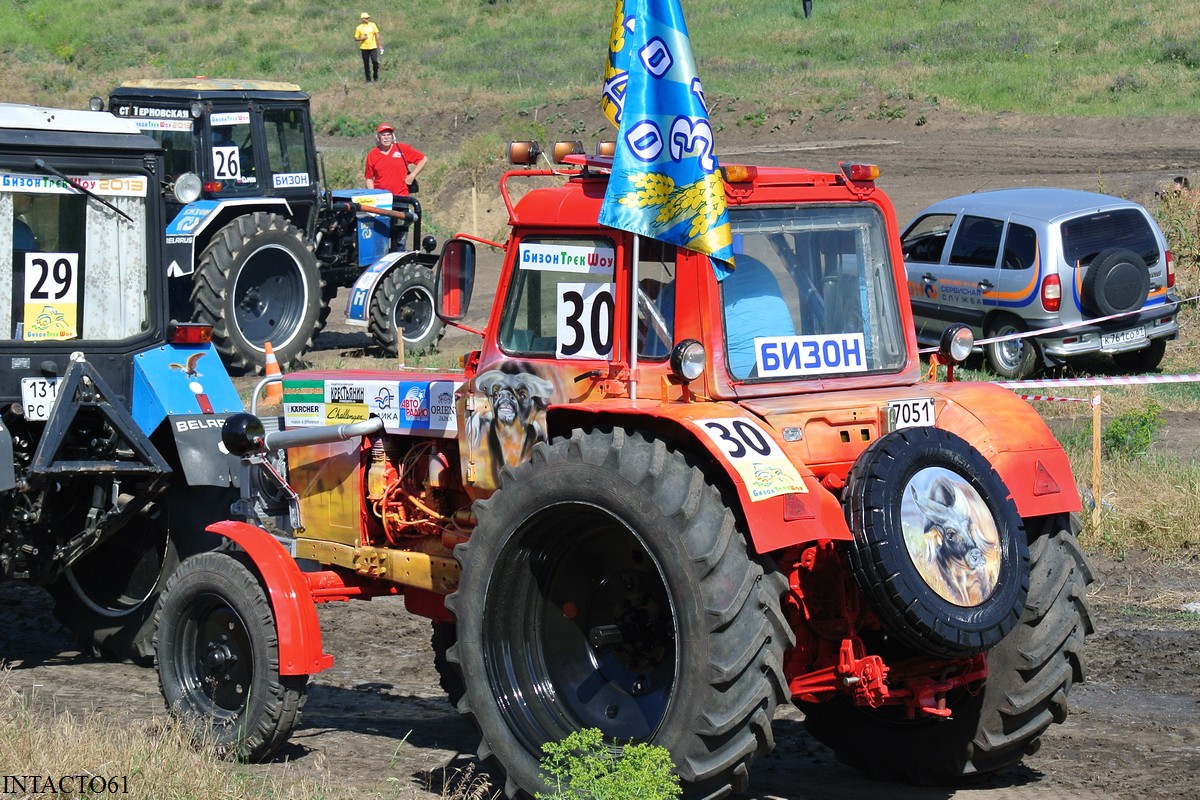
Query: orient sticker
(951, 536)
(762, 465)
(51, 297)
(567, 258)
(585, 321)
(827, 354)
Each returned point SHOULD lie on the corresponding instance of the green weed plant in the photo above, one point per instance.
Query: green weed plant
(583, 767)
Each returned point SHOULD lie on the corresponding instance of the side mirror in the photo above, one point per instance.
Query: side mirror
(455, 279)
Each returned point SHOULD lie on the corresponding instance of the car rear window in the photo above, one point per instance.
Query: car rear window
(1085, 237)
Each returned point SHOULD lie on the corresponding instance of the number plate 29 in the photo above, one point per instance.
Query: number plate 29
(911, 413)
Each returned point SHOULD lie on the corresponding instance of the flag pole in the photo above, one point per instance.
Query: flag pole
(633, 312)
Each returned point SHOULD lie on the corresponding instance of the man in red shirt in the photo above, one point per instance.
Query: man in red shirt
(393, 166)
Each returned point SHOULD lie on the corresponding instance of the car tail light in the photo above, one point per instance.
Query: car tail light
(1170, 270)
(189, 333)
(1051, 293)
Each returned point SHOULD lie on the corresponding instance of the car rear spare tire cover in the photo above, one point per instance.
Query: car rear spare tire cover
(1117, 280)
(939, 547)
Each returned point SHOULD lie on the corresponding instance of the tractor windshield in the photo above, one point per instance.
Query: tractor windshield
(71, 267)
(813, 294)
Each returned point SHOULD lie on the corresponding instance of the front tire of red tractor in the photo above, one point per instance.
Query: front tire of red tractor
(257, 282)
(608, 585)
(1030, 674)
(404, 300)
(218, 659)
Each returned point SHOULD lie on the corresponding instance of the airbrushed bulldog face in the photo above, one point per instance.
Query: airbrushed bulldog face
(514, 397)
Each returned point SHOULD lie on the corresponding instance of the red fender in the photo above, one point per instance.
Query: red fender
(300, 650)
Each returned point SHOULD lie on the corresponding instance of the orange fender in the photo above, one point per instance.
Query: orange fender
(299, 630)
(776, 518)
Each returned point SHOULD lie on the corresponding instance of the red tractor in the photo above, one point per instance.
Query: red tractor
(659, 503)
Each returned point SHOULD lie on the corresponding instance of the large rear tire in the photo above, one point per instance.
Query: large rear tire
(609, 586)
(1030, 674)
(257, 282)
(107, 597)
(404, 300)
(218, 659)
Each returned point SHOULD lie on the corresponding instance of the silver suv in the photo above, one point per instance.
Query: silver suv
(1016, 260)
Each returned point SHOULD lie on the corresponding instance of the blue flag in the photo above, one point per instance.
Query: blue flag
(665, 181)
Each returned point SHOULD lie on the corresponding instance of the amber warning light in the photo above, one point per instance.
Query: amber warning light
(860, 172)
(190, 333)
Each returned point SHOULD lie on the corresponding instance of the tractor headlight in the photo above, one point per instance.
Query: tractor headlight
(187, 188)
(956, 343)
(687, 360)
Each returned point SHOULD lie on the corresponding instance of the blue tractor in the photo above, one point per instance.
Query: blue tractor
(255, 247)
(111, 462)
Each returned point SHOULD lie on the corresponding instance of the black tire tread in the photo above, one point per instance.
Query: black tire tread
(211, 285)
(383, 302)
(285, 694)
(1030, 675)
(747, 680)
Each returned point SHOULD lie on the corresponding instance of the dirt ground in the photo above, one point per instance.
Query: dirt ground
(377, 724)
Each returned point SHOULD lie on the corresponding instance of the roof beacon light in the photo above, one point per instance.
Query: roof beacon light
(524, 153)
(564, 149)
(608, 147)
(739, 173)
(860, 172)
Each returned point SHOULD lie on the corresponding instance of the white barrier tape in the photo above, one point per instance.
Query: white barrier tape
(1122, 380)
(1071, 325)
(1048, 399)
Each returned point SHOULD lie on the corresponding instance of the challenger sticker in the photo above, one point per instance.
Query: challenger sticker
(761, 463)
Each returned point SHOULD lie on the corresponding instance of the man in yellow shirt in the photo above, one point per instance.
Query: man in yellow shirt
(370, 44)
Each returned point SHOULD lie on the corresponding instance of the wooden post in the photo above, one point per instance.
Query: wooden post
(474, 211)
(1096, 462)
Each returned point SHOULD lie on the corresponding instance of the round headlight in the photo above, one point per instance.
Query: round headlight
(96, 103)
(688, 359)
(957, 342)
(187, 187)
(242, 434)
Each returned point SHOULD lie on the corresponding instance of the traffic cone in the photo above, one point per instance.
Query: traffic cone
(274, 394)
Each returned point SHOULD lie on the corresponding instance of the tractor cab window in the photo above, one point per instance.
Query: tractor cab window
(560, 303)
(287, 147)
(655, 299)
(812, 294)
(174, 135)
(71, 267)
(231, 150)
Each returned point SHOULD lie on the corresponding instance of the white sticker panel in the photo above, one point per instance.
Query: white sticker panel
(164, 124)
(282, 180)
(230, 118)
(826, 354)
(51, 296)
(116, 186)
(585, 321)
(762, 465)
(227, 162)
(567, 258)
